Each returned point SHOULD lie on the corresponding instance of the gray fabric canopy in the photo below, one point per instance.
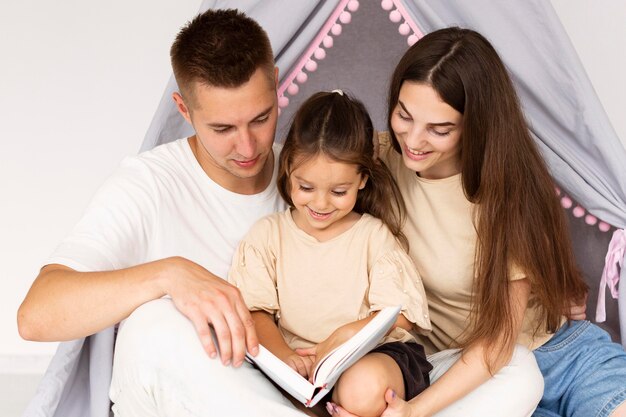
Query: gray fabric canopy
(567, 120)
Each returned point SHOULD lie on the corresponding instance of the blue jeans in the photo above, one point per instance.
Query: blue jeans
(584, 373)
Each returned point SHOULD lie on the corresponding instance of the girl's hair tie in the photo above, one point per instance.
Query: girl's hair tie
(338, 91)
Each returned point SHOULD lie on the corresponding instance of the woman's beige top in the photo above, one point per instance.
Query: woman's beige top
(442, 241)
(315, 287)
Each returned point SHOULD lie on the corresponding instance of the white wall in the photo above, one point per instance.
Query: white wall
(79, 82)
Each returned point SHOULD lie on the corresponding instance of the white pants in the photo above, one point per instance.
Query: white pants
(515, 391)
(160, 369)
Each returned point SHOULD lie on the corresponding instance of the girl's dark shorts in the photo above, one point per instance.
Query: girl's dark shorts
(411, 359)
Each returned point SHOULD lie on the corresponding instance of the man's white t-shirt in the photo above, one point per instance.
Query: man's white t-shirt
(159, 204)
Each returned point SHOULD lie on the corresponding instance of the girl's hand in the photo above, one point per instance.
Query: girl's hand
(320, 350)
(301, 364)
(396, 407)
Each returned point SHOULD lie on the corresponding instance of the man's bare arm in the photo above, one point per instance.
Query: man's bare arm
(64, 304)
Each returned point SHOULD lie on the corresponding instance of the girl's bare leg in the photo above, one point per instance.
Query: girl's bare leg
(361, 389)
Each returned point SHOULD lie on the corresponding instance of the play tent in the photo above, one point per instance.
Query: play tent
(354, 45)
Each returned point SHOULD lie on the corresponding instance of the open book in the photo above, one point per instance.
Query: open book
(331, 366)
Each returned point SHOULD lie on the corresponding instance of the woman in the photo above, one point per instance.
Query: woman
(491, 244)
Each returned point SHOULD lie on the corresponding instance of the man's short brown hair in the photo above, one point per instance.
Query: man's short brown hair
(220, 48)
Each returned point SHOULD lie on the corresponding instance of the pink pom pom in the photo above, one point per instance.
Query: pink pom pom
(320, 53)
(302, 77)
(395, 16)
(353, 5)
(590, 220)
(283, 101)
(328, 42)
(412, 39)
(578, 211)
(311, 66)
(293, 89)
(336, 29)
(345, 17)
(404, 29)
(386, 5)
(566, 202)
(604, 227)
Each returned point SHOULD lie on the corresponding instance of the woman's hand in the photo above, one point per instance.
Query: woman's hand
(577, 310)
(396, 407)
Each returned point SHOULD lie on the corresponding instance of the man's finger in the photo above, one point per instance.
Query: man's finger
(222, 333)
(252, 340)
(238, 337)
(201, 325)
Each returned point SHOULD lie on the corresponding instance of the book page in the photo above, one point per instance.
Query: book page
(346, 354)
(281, 373)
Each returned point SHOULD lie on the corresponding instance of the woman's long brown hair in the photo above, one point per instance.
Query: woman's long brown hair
(340, 128)
(519, 221)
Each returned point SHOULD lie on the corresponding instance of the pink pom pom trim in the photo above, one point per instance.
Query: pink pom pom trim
(311, 66)
(315, 51)
(395, 16)
(320, 53)
(578, 211)
(566, 202)
(283, 101)
(293, 89)
(342, 14)
(302, 77)
(408, 28)
(353, 5)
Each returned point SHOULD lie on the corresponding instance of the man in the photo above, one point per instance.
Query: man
(166, 225)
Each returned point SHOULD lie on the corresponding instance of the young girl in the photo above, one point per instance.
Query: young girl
(317, 273)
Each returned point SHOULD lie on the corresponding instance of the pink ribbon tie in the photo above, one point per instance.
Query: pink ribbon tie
(610, 275)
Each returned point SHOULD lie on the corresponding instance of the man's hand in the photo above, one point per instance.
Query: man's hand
(209, 300)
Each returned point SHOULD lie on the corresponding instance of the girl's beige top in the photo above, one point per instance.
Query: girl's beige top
(315, 287)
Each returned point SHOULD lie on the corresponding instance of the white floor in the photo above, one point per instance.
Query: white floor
(15, 392)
